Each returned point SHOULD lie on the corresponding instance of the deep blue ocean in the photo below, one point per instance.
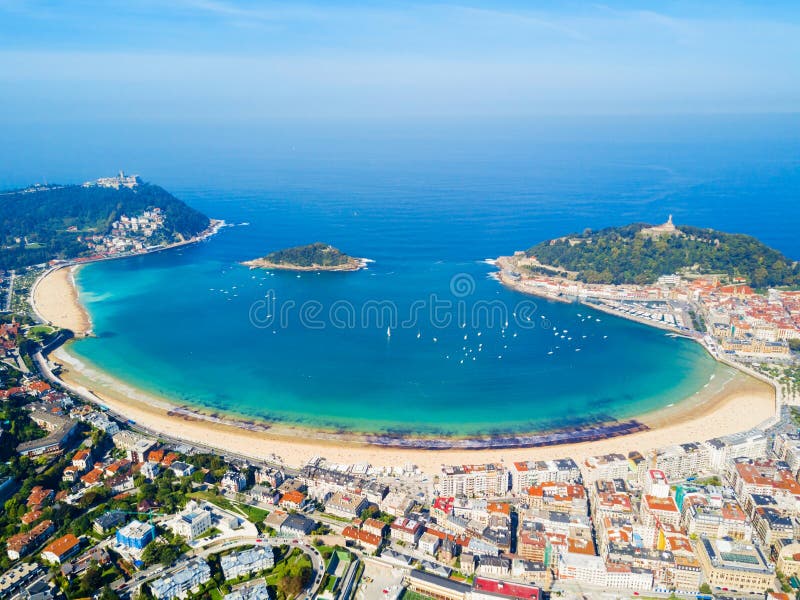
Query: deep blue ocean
(428, 202)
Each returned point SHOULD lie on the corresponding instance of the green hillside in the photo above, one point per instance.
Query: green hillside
(34, 223)
(310, 255)
(621, 255)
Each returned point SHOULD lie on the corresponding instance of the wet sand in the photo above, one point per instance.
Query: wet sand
(737, 403)
(732, 402)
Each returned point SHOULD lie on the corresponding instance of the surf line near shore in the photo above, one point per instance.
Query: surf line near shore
(732, 404)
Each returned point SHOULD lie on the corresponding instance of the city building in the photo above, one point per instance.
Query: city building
(192, 522)
(188, 578)
(247, 562)
(474, 481)
(734, 565)
(136, 535)
(61, 549)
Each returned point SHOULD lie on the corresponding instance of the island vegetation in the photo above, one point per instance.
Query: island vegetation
(311, 257)
(42, 223)
(639, 254)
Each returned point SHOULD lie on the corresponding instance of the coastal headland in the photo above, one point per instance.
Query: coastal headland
(726, 406)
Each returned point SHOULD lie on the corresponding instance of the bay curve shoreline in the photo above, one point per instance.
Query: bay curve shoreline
(736, 402)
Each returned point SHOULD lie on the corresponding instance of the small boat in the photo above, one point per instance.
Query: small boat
(419, 335)
(549, 353)
(388, 332)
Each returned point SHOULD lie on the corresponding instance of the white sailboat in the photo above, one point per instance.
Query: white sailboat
(388, 332)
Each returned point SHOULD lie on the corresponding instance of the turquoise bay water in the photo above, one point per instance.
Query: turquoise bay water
(179, 324)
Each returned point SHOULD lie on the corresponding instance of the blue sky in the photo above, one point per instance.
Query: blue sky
(223, 59)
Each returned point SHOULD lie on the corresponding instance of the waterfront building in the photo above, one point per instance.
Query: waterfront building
(734, 565)
(681, 461)
(525, 474)
(135, 446)
(247, 562)
(136, 535)
(474, 481)
(188, 578)
(605, 466)
(749, 444)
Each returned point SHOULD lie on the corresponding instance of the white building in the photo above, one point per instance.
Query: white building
(428, 543)
(656, 483)
(474, 481)
(178, 585)
(234, 481)
(525, 474)
(605, 467)
(750, 444)
(247, 562)
(192, 522)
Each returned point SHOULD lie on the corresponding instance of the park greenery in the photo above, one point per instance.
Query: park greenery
(623, 255)
(44, 223)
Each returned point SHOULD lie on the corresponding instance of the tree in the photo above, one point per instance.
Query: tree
(705, 588)
(108, 594)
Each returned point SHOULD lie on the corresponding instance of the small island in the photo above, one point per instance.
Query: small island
(311, 257)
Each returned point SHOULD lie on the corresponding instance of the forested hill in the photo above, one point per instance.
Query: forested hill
(633, 254)
(48, 222)
(311, 255)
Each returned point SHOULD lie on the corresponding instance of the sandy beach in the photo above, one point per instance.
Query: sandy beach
(733, 403)
(55, 299)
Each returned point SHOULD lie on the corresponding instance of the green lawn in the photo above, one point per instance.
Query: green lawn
(409, 595)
